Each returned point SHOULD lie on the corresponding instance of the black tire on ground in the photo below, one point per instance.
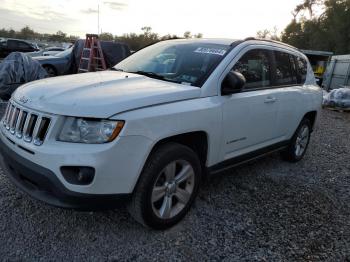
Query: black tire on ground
(141, 206)
(290, 153)
(51, 71)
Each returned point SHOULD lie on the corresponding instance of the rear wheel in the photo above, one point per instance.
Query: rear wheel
(299, 143)
(167, 187)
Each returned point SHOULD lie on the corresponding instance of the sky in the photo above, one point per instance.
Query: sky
(219, 18)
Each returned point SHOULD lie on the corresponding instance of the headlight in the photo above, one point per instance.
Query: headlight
(89, 131)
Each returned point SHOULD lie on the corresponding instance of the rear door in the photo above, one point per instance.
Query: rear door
(250, 117)
(24, 47)
(12, 46)
(289, 91)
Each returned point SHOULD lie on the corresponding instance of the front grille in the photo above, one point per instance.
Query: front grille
(25, 124)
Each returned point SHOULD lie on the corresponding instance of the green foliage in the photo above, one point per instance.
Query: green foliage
(268, 34)
(135, 41)
(307, 5)
(106, 37)
(138, 41)
(330, 31)
(29, 34)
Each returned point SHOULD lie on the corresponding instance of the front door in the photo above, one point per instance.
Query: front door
(250, 117)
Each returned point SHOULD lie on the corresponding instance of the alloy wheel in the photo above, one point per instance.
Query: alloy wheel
(173, 189)
(302, 140)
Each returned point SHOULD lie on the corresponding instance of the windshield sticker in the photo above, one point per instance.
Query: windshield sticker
(212, 51)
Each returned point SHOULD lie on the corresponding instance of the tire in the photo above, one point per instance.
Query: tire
(291, 153)
(51, 71)
(155, 182)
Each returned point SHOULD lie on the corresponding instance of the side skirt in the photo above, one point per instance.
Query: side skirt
(239, 160)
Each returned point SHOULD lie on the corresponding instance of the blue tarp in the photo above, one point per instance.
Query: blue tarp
(17, 69)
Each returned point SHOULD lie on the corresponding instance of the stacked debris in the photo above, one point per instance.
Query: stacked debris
(17, 69)
(337, 99)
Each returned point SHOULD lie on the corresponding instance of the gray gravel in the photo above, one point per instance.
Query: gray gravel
(268, 210)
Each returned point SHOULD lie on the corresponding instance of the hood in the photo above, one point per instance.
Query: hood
(100, 94)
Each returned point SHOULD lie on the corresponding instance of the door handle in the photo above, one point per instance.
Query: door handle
(270, 99)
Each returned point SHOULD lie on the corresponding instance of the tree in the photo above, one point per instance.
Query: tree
(135, 41)
(330, 31)
(307, 5)
(26, 33)
(187, 34)
(268, 34)
(146, 30)
(106, 37)
(199, 35)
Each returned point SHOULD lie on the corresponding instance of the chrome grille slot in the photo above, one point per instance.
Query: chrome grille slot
(41, 131)
(28, 133)
(6, 113)
(20, 124)
(9, 117)
(25, 124)
(14, 120)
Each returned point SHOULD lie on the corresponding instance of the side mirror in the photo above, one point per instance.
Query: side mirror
(233, 83)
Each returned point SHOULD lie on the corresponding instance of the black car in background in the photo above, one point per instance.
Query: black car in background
(8, 46)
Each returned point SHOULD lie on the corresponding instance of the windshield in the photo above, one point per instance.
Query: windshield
(187, 63)
(64, 53)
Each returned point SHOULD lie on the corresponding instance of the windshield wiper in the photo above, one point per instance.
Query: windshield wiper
(155, 76)
(149, 74)
(116, 69)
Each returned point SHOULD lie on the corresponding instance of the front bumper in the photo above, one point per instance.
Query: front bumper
(42, 184)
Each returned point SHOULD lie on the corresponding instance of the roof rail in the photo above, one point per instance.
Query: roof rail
(270, 41)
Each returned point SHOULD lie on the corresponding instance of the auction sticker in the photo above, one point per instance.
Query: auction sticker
(212, 51)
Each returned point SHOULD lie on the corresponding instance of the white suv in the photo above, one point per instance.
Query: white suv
(151, 128)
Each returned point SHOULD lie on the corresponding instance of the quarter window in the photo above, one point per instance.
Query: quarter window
(255, 66)
(284, 72)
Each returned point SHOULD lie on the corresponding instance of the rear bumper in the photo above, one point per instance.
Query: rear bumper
(42, 184)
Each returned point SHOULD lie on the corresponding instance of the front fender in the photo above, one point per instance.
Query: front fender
(167, 120)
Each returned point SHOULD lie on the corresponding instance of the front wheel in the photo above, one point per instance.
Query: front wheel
(299, 142)
(167, 187)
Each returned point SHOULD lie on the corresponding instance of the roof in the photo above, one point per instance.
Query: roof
(314, 52)
(22, 40)
(232, 42)
(219, 41)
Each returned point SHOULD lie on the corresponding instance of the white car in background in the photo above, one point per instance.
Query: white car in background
(49, 51)
(152, 128)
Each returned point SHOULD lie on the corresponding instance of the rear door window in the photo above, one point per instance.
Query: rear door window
(284, 72)
(12, 44)
(302, 69)
(255, 66)
(24, 46)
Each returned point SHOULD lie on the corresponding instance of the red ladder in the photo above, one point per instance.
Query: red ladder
(92, 58)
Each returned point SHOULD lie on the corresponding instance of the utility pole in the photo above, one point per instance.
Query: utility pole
(98, 19)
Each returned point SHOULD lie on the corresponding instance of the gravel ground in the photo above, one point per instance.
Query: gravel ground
(268, 210)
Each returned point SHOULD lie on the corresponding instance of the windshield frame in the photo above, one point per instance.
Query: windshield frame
(200, 82)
